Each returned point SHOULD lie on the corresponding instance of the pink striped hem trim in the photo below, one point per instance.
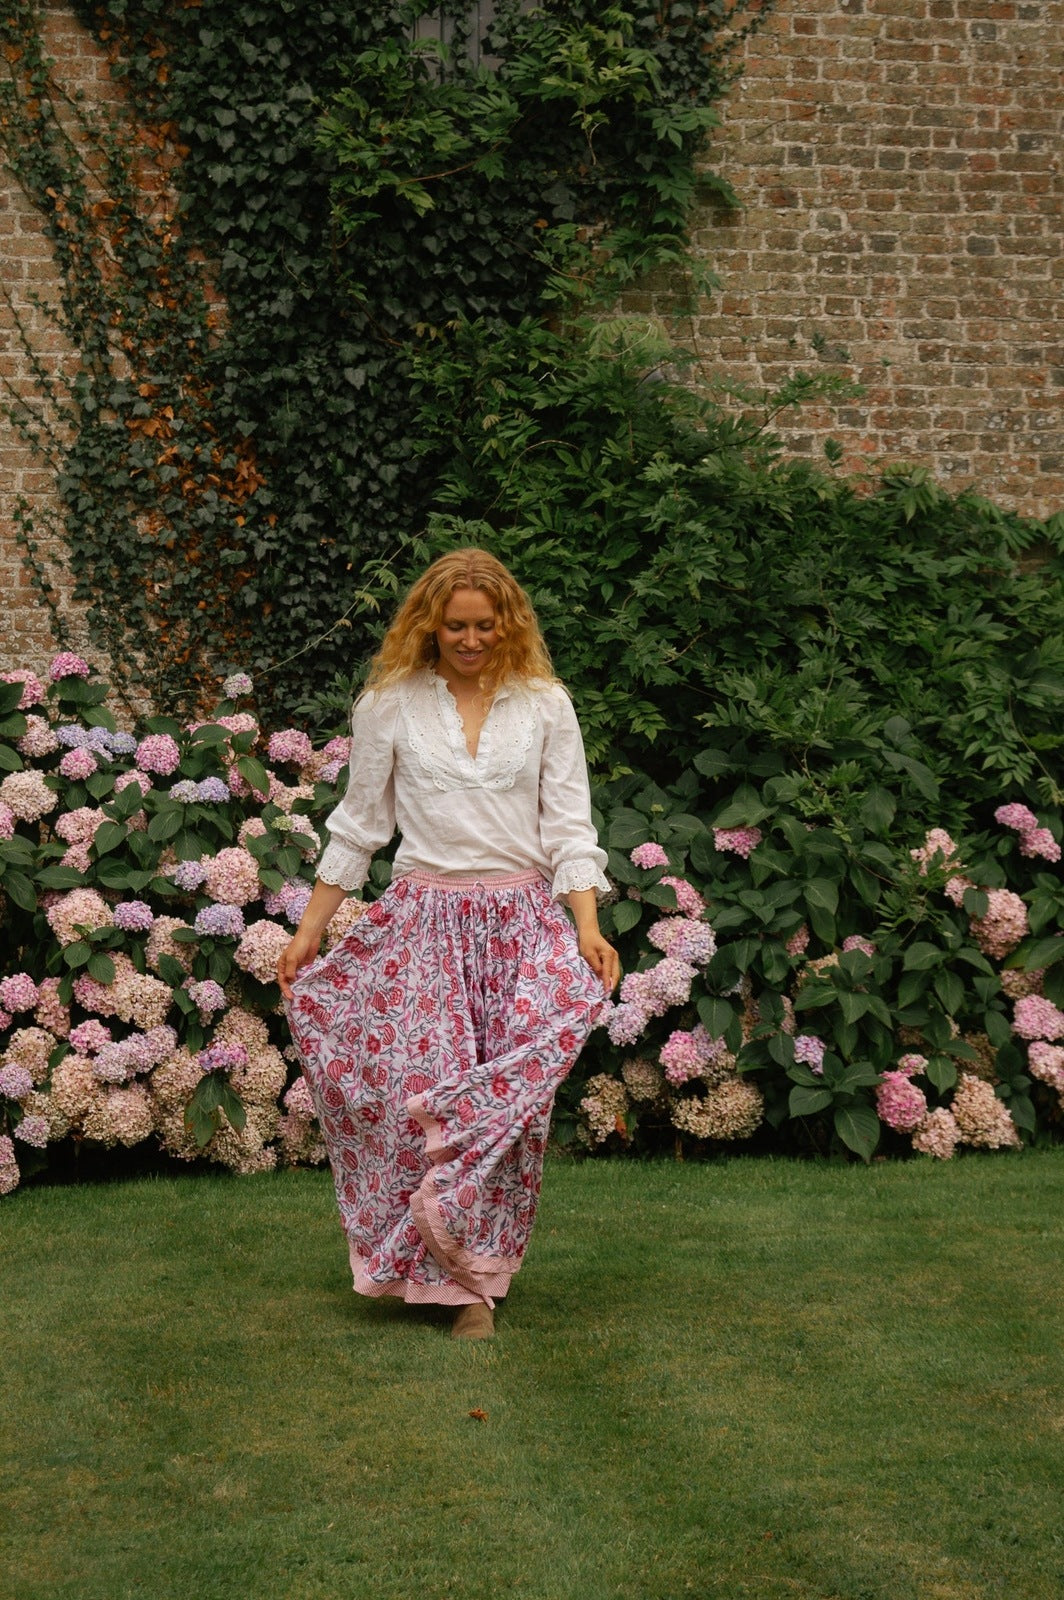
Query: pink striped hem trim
(479, 1273)
(427, 1294)
(486, 880)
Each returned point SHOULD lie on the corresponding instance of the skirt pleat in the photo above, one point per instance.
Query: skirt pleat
(433, 1038)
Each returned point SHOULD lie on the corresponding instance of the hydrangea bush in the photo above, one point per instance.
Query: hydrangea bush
(149, 882)
(825, 988)
(792, 980)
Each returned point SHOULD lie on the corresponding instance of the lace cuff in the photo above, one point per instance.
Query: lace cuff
(579, 875)
(344, 865)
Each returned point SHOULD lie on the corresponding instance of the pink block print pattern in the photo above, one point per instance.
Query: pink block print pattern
(434, 1037)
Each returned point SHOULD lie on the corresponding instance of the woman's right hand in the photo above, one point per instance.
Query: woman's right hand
(300, 952)
(324, 901)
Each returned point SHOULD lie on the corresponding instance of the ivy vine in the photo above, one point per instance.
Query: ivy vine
(256, 249)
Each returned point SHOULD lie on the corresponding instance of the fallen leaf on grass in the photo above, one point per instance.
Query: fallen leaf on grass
(478, 1415)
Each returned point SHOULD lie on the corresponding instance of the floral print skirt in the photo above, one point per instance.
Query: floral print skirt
(434, 1037)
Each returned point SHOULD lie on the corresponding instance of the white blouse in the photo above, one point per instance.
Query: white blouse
(521, 803)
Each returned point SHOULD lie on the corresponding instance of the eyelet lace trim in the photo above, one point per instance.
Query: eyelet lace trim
(344, 865)
(578, 875)
(437, 739)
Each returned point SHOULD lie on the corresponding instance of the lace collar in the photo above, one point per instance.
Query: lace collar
(437, 738)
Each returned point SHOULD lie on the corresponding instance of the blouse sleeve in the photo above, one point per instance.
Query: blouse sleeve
(566, 830)
(364, 821)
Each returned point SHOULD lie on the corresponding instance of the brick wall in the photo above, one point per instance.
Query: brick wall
(27, 274)
(900, 167)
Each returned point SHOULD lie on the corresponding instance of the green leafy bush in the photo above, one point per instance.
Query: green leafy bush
(851, 990)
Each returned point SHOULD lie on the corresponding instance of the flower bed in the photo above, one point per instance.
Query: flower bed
(149, 883)
(784, 984)
(826, 991)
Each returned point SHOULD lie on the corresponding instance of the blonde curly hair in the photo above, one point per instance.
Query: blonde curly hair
(410, 643)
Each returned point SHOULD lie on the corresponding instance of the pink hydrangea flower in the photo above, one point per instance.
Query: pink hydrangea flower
(67, 665)
(688, 900)
(260, 948)
(51, 1013)
(80, 763)
(15, 1082)
(79, 826)
(33, 1130)
(9, 1173)
(7, 822)
(1035, 1017)
(236, 684)
(740, 841)
(938, 849)
(89, 1037)
(810, 1049)
(982, 1118)
(18, 992)
(290, 745)
(78, 856)
(133, 916)
(912, 1065)
(798, 943)
(856, 942)
(158, 753)
(648, 855)
(1046, 1062)
(900, 1104)
(233, 877)
(27, 796)
(298, 1100)
(81, 908)
(38, 739)
(681, 1057)
(1004, 925)
(937, 1135)
(141, 779)
(207, 996)
(1016, 816)
(33, 690)
(1040, 842)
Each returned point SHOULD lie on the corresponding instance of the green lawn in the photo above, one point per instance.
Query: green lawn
(753, 1379)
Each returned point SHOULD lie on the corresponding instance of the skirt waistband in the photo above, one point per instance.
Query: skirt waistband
(485, 880)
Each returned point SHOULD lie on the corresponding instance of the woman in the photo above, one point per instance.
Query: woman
(434, 1036)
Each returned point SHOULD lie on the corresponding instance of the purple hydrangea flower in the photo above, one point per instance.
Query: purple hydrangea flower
(71, 736)
(15, 1082)
(33, 1131)
(133, 916)
(220, 1057)
(188, 875)
(220, 921)
(213, 791)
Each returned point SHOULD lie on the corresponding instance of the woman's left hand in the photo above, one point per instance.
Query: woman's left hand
(602, 958)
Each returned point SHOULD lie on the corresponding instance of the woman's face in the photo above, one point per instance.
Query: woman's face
(467, 635)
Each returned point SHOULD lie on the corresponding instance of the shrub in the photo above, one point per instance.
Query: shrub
(149, 881)
(832, 990)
